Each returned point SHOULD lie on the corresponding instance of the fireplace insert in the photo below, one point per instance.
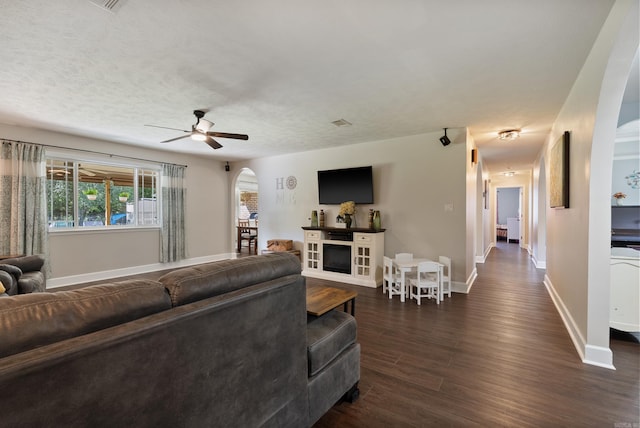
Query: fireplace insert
(336, 258)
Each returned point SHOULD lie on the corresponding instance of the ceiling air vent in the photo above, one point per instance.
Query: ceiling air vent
(341, 122)
(110, 5)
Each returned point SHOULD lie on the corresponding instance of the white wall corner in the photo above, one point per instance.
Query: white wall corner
(589, 354)
(539, 264)
(489, 248)
(466, 287)
(483, 258)
(460, 287)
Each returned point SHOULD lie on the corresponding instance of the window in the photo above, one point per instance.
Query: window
(84, 194)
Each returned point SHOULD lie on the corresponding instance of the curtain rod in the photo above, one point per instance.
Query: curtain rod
(93, 152)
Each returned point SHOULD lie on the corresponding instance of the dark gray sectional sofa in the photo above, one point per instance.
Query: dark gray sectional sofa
(223, 344)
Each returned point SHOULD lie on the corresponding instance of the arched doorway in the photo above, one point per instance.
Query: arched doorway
(245, 209)
(616, 74)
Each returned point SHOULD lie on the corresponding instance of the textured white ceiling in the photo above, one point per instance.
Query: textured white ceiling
(282, 70)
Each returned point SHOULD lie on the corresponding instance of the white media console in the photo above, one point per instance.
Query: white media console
(344, 255)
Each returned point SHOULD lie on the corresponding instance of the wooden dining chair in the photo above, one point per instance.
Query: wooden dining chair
(427, 282)
(248, 235)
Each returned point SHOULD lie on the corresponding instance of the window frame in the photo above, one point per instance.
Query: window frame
(138, 167)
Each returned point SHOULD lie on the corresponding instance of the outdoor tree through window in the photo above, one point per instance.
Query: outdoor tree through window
(85, 194)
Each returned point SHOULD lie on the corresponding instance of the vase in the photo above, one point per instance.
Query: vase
(377, 224)
(619, 201)
(348, 220)
(314, 218)
(321, 218)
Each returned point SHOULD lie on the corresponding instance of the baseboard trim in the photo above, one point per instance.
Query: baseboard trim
(599, 356)
(462, 287)
(539, 264)
(589, 354)
(133, 270)
(574, 333)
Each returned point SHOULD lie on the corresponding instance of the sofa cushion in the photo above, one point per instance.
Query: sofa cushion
(26, 263)
(31, 320)
(30, 282)
(198, 282)
(9, 278)
(327, 336)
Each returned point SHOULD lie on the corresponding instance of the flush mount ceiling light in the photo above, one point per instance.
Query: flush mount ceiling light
(509, 134)
(509, 174)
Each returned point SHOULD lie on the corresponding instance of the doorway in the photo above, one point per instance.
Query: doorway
(508, 214)
(246, 211)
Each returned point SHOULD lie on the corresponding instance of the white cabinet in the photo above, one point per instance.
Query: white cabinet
(625, 290)
(354, 257)
(312, 250)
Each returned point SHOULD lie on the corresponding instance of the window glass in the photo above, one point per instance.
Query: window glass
(60, 197)
(87, 194)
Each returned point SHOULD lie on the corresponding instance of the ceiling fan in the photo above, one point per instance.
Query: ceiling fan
(200, 131)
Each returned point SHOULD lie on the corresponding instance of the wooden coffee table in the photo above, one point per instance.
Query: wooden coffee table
(321, 299)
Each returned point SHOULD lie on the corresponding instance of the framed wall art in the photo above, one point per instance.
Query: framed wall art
(559, 172)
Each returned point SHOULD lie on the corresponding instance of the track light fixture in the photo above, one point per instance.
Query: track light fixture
(444, 139)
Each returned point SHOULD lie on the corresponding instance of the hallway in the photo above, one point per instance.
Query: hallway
(499, 356)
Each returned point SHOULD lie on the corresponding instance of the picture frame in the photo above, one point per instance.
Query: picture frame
(559, 172)
(485, 193)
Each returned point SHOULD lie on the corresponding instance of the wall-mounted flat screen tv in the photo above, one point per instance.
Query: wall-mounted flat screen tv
(350, 184)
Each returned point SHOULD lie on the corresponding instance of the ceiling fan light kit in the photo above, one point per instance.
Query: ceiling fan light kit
(509, 134)
(200, 131)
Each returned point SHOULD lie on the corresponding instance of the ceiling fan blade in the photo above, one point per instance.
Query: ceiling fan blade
(177, 138)
(227, 135)
(213, 143)
(166, 127)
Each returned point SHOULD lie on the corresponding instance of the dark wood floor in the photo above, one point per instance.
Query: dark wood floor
(499, 356)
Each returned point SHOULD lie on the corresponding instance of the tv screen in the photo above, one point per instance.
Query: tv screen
(350, 184)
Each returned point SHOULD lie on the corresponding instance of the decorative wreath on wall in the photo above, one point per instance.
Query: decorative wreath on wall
(633, 180)
(292, 182)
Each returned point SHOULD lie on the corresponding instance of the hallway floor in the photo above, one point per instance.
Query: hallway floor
(499, 356)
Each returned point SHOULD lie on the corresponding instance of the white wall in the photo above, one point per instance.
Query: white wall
(578, 238)
(414, 179)
(74, 254)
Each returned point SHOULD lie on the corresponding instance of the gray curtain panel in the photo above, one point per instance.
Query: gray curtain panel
(173, 200)
(23, 208)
